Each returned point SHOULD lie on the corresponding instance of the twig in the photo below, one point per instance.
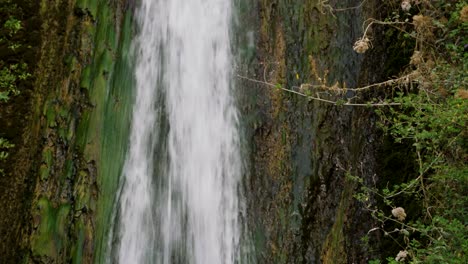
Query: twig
(385, 83)
(317, 98)
(349, 8)
(375, 21)
(422, 172)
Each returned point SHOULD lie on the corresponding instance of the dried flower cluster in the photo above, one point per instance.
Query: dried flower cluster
(402, 255)
(362, 45)
(464, 14)
(462, 93)
(406, 5)
(417, 58)
(399, 213)
(423, 25)
(421, 21)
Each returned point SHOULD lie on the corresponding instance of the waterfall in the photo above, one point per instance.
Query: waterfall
(180, 198)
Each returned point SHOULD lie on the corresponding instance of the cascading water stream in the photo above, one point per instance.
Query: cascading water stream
(183, 208)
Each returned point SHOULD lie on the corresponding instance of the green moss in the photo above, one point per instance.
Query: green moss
(86, 78)
(82, 192)
(88, 5)
(70, 130)
(47, 157)
(50, 116)
(80, 64)
(106, 36)
(43, 7)
(333, 250)
(62, 133)
(50, 236)
(82, 131)
(44, 172)
(259, 240)
(26, 258)
(74, 64)
(77, 250)
(118, 100)
(63, 112)
(102, 132)
(69, 169)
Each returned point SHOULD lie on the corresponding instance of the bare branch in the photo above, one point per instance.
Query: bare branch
(349, 8)
(318, 98)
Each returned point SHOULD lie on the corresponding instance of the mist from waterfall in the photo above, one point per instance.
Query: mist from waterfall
(180, 197)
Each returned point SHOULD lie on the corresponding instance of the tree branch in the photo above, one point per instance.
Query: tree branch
(325, 100)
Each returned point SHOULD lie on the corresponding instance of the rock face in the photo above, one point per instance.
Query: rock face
(17, 126)
(69, 155)
(59, 198)
(300, 204)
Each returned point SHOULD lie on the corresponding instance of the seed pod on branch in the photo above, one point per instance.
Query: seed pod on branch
(423, 25)
(406, 5)
(399, 213)
(362, 45)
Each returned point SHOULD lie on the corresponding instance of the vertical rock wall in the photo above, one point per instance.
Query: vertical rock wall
(18, 126)
(71, 151)
(300, 204)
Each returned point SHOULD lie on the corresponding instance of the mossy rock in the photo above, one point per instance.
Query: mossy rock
(50, 236)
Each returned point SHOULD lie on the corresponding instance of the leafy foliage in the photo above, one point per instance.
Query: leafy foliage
(13, 69)
(12, 25)
(9, 77)
(432, 118)
(4, 146)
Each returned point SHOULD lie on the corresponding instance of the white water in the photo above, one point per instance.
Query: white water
(184, 207)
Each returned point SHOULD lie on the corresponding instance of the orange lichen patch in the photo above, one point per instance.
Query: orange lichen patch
(321, 79)
(274, 147)
(277, 74)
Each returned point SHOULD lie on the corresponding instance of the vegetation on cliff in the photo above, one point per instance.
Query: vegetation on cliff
(13, 69)
(67, 122)
(419, 210)
(430, 119)
(423, 110)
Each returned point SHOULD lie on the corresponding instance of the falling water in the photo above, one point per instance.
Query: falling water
(180, 191)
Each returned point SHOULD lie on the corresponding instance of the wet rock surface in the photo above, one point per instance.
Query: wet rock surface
(300, 204)
(62, 129)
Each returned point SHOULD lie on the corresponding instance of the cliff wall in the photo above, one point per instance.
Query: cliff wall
(58, 192)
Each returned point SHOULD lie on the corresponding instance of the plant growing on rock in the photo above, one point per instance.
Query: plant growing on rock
(13, 70)
(10, 75)
(4, 146)
(426, 109)
(432, 119)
